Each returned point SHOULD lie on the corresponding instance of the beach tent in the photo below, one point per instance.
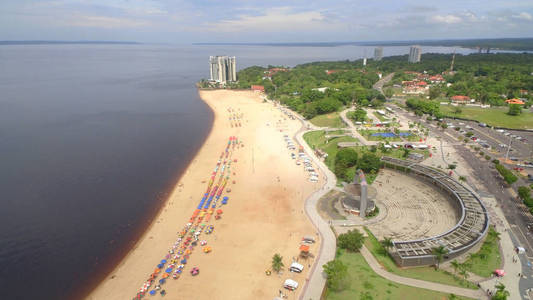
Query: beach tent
(304, 248)
(161, 281)
(520, 250)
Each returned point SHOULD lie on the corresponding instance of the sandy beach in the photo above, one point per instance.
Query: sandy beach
(264, 214)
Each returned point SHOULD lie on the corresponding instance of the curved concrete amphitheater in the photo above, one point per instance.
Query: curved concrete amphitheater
(411, 208)
(473, 218)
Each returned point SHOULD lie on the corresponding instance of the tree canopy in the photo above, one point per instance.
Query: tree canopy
(351, 241)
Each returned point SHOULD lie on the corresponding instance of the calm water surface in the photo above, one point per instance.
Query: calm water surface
(92, 138)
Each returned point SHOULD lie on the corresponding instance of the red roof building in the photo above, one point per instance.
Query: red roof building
(436, 78)
(460, 99)
(515, 101)
(258, 88)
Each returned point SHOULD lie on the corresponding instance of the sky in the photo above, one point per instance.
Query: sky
(183, 22)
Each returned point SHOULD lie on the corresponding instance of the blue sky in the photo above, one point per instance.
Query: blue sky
(179, 21)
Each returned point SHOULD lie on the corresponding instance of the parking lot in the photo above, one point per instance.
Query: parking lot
(516, 145)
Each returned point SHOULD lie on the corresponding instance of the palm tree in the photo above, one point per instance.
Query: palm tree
(501, 293)
(387, 243)
(277, 262)
(455, 265)
(439, 253)
(500, 287)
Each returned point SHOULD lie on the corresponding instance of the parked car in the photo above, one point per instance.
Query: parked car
(296, 267)
(290, 284)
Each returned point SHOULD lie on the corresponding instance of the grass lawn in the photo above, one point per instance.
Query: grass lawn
(328, 120)
(380, 117)
(495, 116)
(364, 282)
(488, 258)
(422, 273)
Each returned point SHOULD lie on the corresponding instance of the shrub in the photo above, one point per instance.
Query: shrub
(465, 140)
(507, 175)
(495, 161)
(487, 157)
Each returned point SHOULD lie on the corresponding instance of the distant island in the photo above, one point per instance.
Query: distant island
(66, 42)
(517, 44)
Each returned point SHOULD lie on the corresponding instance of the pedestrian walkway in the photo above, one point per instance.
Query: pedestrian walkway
(374, 264)
(328, 243)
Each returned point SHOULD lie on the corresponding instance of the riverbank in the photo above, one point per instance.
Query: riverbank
(264, 214)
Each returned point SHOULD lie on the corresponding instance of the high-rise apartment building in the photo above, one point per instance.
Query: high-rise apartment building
(378, 53)
(222, 68)
(414, 54)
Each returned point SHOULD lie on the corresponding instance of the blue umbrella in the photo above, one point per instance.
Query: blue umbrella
(163, 261)
(225, 198)
(168, 270)
(183, 261)
(159, 266)
(162, 280)
(152, 292)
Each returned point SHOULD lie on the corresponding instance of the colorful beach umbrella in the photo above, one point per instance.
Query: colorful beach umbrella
(152, 292)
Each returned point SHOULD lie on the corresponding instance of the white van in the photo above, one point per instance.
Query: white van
(290, 284)
(296, 267)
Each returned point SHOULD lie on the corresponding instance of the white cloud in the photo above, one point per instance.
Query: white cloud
(446, 19)
(276, 20)
(523, 16)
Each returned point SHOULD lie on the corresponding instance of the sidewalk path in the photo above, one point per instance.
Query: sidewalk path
(374, 264)
(317, 279)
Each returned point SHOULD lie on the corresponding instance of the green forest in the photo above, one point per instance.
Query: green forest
(488, 78)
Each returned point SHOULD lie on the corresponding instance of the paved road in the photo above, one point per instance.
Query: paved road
(374, 264)
(379, 85)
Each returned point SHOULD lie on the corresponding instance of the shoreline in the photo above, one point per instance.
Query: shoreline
(146, 256)
(122, 256)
